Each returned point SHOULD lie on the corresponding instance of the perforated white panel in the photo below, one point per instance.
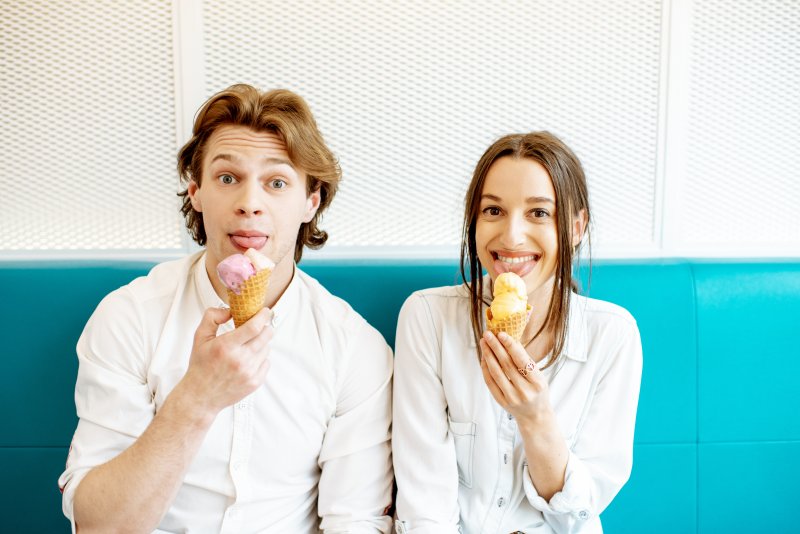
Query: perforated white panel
(409, 94)
(743, 171)
(87, 123)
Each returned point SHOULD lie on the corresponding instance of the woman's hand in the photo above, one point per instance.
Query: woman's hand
(514, 379)
(521, 389)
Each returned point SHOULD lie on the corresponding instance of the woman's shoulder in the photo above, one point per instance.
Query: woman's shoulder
(602, 314)
(438, 297)
(436, 304)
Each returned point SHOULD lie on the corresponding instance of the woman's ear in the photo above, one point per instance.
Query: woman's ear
(578, 227)
(193, 189)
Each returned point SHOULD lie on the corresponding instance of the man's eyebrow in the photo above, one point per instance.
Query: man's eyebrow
(267, 160)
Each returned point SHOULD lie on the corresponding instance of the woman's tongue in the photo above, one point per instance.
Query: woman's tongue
(245, 242)
(520, 268)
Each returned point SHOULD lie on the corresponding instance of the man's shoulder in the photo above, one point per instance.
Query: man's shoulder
(163, 281)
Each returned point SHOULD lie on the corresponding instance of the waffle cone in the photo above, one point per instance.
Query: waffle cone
(513, 325)
(250, 299)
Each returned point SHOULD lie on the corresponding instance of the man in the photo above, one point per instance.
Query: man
(280, 425)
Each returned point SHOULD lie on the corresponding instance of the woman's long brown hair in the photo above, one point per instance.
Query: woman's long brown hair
(569, 182)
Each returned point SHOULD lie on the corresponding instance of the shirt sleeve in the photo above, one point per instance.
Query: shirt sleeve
(355, 486)
(601, 458)
(112, 398)
(424, 453)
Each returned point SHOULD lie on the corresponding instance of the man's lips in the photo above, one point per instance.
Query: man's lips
(248, 239)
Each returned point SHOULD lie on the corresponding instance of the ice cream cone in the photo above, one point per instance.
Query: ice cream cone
(250, 299)
(513, 325)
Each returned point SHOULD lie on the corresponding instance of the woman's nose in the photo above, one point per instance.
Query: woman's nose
(513, 234)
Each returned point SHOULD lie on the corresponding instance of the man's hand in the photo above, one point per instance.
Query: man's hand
(224, 369)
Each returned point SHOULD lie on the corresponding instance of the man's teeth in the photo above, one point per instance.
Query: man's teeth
(515, 260)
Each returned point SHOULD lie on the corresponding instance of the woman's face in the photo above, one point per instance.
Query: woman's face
(516, 227)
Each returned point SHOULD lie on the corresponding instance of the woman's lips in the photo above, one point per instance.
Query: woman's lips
(519, 265)
(245, 241)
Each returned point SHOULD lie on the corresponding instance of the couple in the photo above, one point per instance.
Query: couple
(289, 424)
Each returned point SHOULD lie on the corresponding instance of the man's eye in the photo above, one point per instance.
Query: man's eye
(227, 179)
(492, 211)
(278, 183)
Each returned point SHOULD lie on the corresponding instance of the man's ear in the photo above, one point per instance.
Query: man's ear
(193, 191)
(578, 227)
(312, 205)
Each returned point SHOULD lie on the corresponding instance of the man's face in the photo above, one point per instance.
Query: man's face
(252, 196)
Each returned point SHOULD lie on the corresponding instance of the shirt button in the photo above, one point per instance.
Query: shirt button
(500, 502)
(505, 458)
(510, 417)
(583, 515)
(242, 405)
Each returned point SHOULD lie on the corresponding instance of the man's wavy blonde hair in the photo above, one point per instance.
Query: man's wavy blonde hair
(282, 113)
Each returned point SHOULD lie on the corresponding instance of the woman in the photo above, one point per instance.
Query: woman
(496, 435)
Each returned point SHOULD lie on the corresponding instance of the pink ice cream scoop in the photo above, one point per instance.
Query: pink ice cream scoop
(234, 270)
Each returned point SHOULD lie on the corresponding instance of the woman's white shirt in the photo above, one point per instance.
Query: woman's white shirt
(458, 456)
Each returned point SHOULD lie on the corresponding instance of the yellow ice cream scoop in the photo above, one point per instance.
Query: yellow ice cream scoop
(509, 309)
(510, 296)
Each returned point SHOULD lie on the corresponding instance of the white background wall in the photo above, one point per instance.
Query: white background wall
(685, 113)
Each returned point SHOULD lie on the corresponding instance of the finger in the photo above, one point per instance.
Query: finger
(501, 378)
(261, 341)
(211, 321)
(252, 327)
(504, 359)
(519, 356)
(494, 389)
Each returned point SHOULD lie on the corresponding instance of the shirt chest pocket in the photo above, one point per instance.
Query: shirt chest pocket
(464, 442)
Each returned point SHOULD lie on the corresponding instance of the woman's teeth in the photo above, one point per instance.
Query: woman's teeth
(520, 259)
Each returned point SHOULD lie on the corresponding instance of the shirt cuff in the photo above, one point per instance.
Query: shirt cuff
(574, 498)
(69, 486)
(403, 527)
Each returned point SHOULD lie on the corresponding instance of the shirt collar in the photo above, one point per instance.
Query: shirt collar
(210, 299)
(202, 282)
(576, 343)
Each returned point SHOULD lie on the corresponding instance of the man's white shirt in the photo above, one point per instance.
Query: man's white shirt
(308, 450)
(459, 459)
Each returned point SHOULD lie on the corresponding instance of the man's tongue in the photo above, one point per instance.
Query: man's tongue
(256, 242)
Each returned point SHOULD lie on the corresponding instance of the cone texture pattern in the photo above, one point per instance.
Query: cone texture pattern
(250, 299)
(513, 325)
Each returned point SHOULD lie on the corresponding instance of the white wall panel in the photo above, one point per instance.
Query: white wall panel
(685, 113)
(409, 94)
(742, 185)
(87, 123)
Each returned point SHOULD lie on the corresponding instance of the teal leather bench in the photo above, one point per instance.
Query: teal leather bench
(717, 445)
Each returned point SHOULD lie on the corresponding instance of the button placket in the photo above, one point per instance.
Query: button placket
(506, 438)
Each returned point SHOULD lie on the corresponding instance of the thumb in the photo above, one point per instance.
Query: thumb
(212, 319)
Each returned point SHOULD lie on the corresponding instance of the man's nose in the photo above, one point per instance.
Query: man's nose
(250, 201)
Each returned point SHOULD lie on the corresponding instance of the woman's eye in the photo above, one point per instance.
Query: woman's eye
(539, 213)
(278, 183)
(227, 179)
(492, 211)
